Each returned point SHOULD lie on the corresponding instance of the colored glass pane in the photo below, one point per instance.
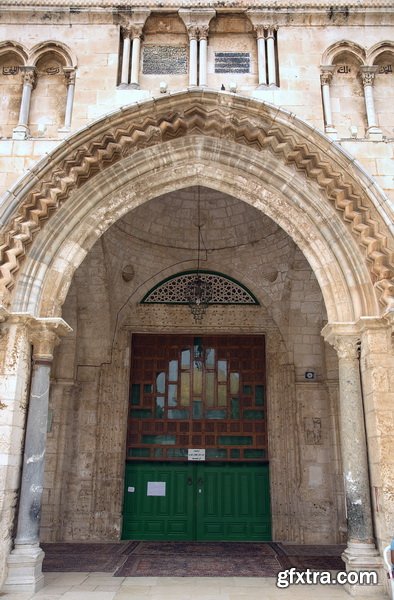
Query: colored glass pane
(234, 383)
(222, 395)
(185, 389)
(210, 389)
(173, 370)
(172, 394)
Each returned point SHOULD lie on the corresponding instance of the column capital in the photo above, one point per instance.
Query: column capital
(29, 75)
(346, 346)
(45, 334)
(344, 337)
(260, 30)
(271, 30)
(326, 73)
(69, 74)
(367, 74)
(132, 24)
(192, 32)
(203, 32)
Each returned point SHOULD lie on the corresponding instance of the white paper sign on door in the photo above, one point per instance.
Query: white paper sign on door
(156, 488)
(196, 454)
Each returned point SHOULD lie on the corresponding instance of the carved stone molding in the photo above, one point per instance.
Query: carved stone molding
(367, 74)
(245, 122)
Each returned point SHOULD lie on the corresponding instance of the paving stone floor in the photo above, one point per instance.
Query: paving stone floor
(102, 586)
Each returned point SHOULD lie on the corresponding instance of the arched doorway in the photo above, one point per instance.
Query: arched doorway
(261, 156)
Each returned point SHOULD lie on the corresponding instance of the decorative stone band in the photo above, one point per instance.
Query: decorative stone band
(246, 122)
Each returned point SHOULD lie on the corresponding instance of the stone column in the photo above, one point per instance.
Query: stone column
(126, 35)
(325, 80)
(203, 55)
(197, 21)
(69, 74)
(377, 367)
(25, 561)
(21, 131)
(15, 361)
(261, 55)
(135, 56)
(367, 77)
(361, 552)
(271, 56)
(193, 42)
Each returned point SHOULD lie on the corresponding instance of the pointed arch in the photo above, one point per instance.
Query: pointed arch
(252, 150)
(343, 46)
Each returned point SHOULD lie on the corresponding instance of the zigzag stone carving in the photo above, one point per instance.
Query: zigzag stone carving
(245, 122)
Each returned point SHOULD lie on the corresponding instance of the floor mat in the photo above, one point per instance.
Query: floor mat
(201, 559)
(190, 559)
(85, 557)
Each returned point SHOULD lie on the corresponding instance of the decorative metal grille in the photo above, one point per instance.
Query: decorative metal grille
(175, 290)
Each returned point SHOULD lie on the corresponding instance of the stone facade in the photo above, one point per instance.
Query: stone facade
(285, 124)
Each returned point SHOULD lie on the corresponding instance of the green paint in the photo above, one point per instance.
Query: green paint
(203, 501)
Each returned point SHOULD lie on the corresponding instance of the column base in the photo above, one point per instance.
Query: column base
(20, 132)
(24, 570)
(374, 134)
(364, 557)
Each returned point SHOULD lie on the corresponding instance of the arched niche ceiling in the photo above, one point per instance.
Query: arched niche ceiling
(248, 149)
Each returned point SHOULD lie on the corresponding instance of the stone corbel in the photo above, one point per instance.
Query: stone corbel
(198, 17)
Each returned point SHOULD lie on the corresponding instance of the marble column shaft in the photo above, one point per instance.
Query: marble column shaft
(261, 56)
(28, 83)
(70, 76)
(353, 443)
(33, 461)
(367, 77)
(203, 57)
(193, 56)
(124, 79)
(271, 57)
(325, 85)
(135, 59)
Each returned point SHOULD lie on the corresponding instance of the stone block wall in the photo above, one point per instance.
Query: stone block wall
(93, 41)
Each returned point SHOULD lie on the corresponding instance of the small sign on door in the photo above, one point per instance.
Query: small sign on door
(196, 454)
(156, 488)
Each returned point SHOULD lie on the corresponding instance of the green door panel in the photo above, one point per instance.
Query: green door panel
(203, 501)
(233, 502)
(158, 517)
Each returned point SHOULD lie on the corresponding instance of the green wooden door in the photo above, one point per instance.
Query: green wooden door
(232, 502)
(159, 502)
(197, 501)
